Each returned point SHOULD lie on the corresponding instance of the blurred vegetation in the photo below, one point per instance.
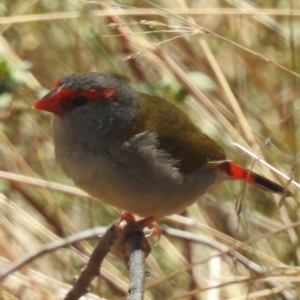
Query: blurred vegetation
(233, 66)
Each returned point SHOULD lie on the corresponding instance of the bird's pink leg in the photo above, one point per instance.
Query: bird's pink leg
(134, 223)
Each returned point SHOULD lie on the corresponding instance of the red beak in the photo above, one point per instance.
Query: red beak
(51, 102)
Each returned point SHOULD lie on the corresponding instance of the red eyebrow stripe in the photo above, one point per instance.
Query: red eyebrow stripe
(108, 93)
(96, 95)
(57, 84)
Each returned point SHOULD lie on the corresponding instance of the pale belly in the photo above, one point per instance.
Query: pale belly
(142, 190)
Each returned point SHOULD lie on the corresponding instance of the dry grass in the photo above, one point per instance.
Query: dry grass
(232, 65)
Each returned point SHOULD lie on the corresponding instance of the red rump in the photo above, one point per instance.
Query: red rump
(237, 172)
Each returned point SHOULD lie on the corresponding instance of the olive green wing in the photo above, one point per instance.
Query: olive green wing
(176, 134)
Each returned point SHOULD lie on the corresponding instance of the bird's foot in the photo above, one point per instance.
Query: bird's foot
(128, 223)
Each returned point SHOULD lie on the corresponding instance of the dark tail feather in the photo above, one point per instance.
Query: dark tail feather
(269, 185)
(237, 172)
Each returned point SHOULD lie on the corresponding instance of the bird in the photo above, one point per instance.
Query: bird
(135, 151)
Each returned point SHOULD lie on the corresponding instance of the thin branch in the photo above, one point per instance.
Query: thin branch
(93, 267)
(70, 240)
(44, 184)
(146, 12)
(258, 270)
(220, 37)
(137, 246)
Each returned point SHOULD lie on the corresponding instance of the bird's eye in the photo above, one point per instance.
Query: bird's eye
(79, 101)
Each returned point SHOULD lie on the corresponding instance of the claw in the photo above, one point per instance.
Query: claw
(129, 223)
(137, 224)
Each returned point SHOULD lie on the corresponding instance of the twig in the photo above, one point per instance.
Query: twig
(222, 38)
(93, 267)
(258, 270)
(87, 234)
(43, 183)
(137, 246)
